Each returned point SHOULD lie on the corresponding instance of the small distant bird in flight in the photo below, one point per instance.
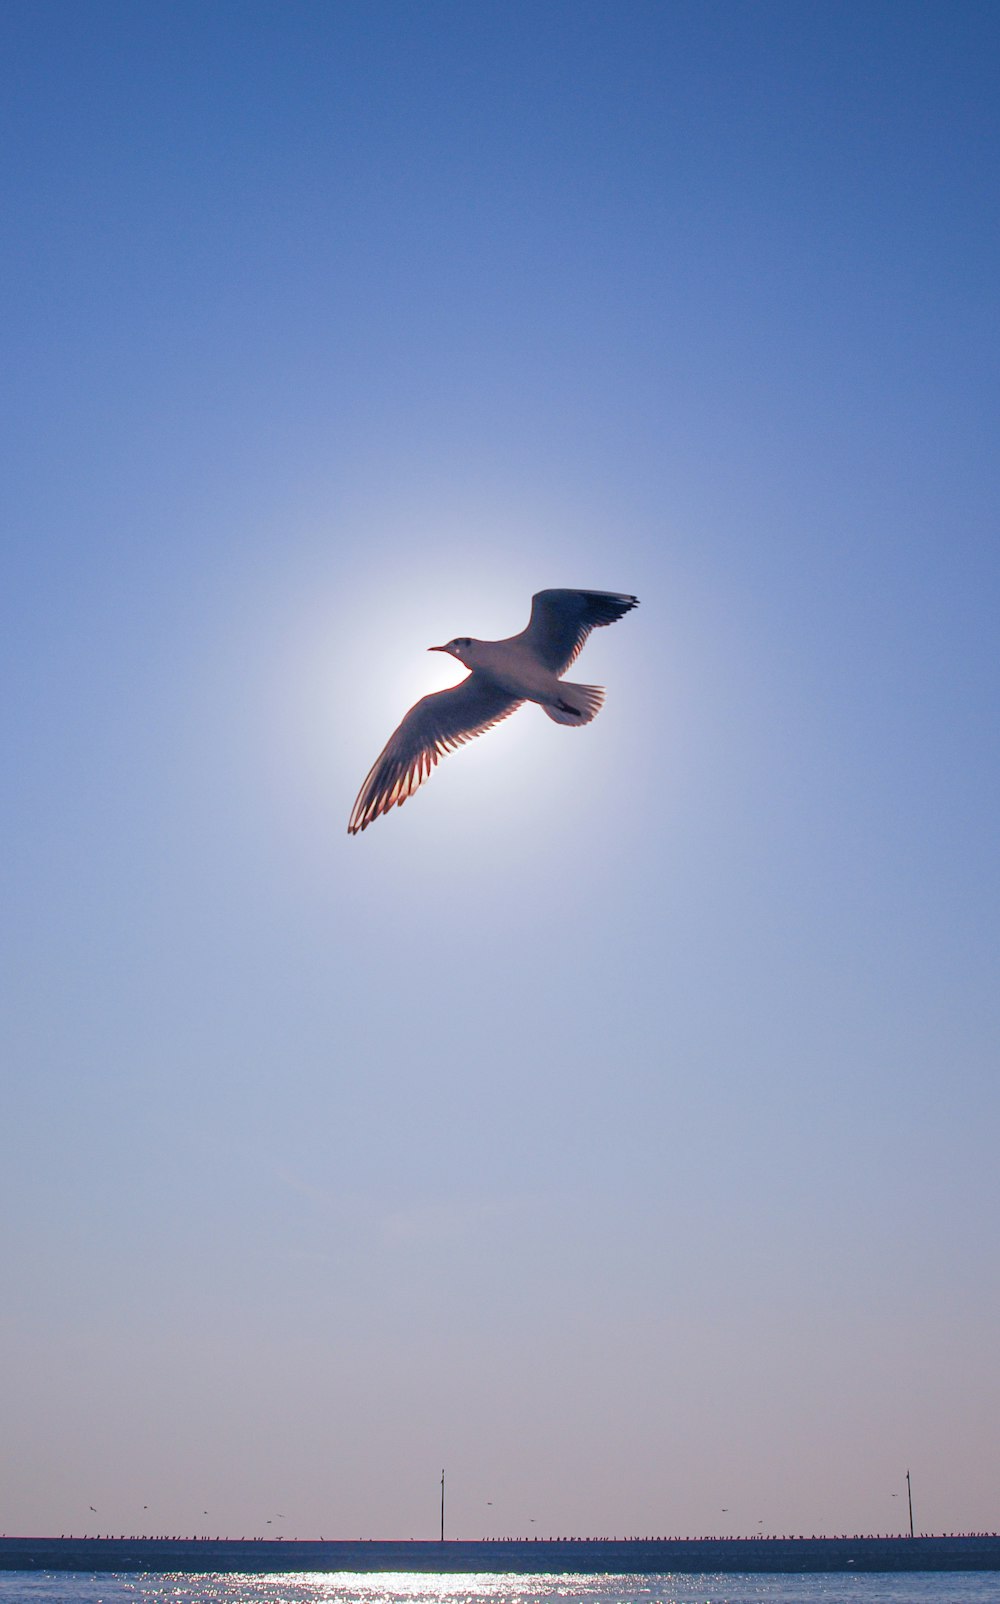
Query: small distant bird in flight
(503, 675)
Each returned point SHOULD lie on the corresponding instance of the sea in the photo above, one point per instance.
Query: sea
(923, 1587)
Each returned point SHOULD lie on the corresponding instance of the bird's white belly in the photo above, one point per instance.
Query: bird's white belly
(516, 671)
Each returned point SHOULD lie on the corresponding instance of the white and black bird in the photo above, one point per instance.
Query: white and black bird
(503, 674)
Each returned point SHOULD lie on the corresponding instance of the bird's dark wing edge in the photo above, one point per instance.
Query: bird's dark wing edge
(433, 727)
(561, 620)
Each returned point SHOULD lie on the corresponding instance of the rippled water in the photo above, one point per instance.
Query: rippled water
(60, 1587)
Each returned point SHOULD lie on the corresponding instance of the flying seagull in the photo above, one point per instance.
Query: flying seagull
(503, 674)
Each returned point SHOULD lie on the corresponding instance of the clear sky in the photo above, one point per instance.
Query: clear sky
(615, 1124)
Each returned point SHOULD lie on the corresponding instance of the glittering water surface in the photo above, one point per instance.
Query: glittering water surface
(60, 1587)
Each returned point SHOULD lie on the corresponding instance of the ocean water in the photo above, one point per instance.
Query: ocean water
(63, 1587)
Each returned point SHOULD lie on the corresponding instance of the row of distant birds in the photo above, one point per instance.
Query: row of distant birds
(503, 675)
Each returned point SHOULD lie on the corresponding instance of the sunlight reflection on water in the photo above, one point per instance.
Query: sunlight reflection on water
(54, 1587)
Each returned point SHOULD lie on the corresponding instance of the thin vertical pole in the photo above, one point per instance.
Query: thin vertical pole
(442, 1506)
(909, 1495)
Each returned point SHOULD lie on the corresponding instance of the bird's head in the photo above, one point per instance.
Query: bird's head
(455, 648)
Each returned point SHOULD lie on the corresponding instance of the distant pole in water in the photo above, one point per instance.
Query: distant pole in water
(909, 1495)
(442, 1506)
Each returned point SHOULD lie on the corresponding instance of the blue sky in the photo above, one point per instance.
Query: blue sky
(615, 1124)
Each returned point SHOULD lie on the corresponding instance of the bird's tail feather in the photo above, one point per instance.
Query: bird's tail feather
(577, 704)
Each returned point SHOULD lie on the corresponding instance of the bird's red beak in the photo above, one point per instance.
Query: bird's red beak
(437, 648)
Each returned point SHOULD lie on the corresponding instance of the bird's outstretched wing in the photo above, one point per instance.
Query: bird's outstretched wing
(433, 727)
(561, 620)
